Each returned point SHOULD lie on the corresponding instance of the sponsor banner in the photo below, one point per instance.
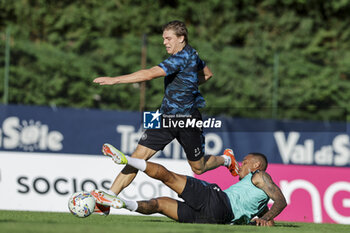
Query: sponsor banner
(313, 193)
(44, 182)
(64, 130)
(83, 131)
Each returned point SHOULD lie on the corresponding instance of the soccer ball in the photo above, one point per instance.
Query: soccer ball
(81, 204)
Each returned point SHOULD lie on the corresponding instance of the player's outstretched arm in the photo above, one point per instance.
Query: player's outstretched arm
(264, 181)
(138, 76)
(204, 75)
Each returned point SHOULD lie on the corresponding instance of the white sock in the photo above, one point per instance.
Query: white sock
(110, 192)
(130, 205)
(227, 160)
(139, 164)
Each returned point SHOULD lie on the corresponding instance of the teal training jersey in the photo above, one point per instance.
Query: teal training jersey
(247, 200)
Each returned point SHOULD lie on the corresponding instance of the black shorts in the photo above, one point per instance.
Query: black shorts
(204, 203)
(191, 139)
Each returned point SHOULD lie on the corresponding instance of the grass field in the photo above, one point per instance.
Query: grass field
(18, 221)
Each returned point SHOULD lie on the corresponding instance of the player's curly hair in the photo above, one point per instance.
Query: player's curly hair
(178, 27)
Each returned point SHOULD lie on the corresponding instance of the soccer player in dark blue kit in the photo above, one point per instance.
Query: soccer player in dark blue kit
(184, 71)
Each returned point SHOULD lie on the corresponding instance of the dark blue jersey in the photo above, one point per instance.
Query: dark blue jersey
(181, 82)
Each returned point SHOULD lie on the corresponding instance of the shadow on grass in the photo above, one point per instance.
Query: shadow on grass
(157, 220)
(281, 225)
(7, 220)
(287, 225)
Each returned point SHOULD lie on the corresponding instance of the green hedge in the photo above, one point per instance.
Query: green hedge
(59, 47)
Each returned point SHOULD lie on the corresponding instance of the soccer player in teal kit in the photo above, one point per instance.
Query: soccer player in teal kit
(204, 202)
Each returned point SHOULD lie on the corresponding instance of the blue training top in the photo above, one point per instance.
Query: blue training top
(247, 200)
(181, 82)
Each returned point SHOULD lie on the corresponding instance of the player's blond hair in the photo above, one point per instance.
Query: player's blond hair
(178, 27)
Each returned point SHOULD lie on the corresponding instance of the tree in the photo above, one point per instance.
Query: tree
(58, 47)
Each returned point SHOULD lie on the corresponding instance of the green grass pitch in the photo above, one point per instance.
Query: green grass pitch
(36, 222)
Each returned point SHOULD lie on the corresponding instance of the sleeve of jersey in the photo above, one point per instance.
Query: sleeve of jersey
(201, 64)
(173, 64)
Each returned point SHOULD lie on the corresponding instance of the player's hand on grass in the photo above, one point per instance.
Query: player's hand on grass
(263, 222)
(105, 80)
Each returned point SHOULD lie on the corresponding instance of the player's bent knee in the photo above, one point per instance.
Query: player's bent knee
(162, 203)
(198, 167)
(198, 171)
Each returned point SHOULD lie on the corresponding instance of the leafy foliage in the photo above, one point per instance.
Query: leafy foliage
(58, 47)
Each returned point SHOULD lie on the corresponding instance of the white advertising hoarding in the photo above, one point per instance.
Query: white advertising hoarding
(44, 182)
